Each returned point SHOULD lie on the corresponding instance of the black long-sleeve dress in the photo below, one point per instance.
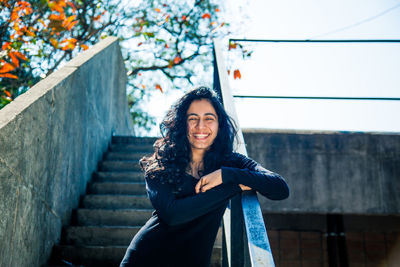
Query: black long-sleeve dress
(183, 227)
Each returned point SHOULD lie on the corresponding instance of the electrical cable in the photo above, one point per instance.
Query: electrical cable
(358, 23)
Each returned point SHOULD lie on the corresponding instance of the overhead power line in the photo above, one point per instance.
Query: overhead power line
(358, 23)
(319, 41)
(318, 97)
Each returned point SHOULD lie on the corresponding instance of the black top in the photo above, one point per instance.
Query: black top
(183, 227)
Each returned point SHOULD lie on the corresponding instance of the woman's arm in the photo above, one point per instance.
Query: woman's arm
(248, 172)
(175, 211)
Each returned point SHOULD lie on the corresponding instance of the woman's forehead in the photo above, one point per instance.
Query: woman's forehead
(201, 106)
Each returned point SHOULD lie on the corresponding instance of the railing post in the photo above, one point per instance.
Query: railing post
(245, 240)
(237, 244)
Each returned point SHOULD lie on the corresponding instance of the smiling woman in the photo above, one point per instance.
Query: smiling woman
(202, 127)
(190, 177)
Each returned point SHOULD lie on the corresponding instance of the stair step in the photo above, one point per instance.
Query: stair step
(119, 165)
(117, 217)
(118, 139)
(134, 176)
(100, 235)
(91, 256)
(134, 156)
(126, 188)
(144, 148)
(116, 202)
(110, 256)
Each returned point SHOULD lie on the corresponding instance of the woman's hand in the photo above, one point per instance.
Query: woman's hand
(244, 187)
(209, 181)
(212, 180)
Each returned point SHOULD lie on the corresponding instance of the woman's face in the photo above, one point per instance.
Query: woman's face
(202, 124)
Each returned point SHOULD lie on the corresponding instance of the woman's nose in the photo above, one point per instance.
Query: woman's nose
(201, 124)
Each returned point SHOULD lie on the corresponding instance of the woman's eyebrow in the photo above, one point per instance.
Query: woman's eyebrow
(212, 114)
(206, 114)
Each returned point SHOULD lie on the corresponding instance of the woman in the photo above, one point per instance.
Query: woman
(190, 178)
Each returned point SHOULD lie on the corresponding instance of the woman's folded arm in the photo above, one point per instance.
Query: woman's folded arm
(248, 172)
(175, 211)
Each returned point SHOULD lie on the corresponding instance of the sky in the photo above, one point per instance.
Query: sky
(328, 69)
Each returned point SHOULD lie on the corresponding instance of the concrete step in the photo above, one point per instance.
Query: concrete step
(116, 202)
(117, 217)
(133, 176)
(108, 235)
(119, 165)
(145, 148)
(133, 156)
(90, 256)
(110, 256)
(125, 188)
(133, 140)
(99, 235)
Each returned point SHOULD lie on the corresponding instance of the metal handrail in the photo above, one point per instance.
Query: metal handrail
(251, 246)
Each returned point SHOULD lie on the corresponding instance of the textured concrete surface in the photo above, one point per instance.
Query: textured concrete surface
(331, 172)
(51, 139)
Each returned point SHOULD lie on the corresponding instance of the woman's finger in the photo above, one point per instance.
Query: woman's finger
(198, 186)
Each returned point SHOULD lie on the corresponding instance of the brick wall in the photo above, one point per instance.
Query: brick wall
(309, 248)
(373, 249)
(298, 248)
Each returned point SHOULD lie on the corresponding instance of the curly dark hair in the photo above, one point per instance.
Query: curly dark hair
(172, 152)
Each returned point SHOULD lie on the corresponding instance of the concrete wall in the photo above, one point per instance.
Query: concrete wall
(332, 172)
(51, 139)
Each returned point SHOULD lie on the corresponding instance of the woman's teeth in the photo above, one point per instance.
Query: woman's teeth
(200, 135)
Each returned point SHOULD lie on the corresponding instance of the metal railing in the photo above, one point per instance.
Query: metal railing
(245, 240)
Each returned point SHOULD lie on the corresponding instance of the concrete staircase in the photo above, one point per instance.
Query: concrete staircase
(112, 211)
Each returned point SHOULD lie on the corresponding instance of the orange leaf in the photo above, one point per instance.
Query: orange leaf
(85, 47)
(56, 17)
(166, 46)
(139, 44)
(58, 6)
(8, 75)
(14, 15)
(206, 16)
(183, 17)
(72, 24)
(29, 33)
(158, 87)
(236, 74)
(7, 93)
(14, 59)
(70, 19)
(177, 59)
(217, 10)
(6, 45)
(232, 46)
(229, 72)
(157, 10)
(54, 42)
(7, 68)
(20, 55)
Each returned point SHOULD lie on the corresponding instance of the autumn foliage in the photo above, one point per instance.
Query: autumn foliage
(165, 43)
(35, 37)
